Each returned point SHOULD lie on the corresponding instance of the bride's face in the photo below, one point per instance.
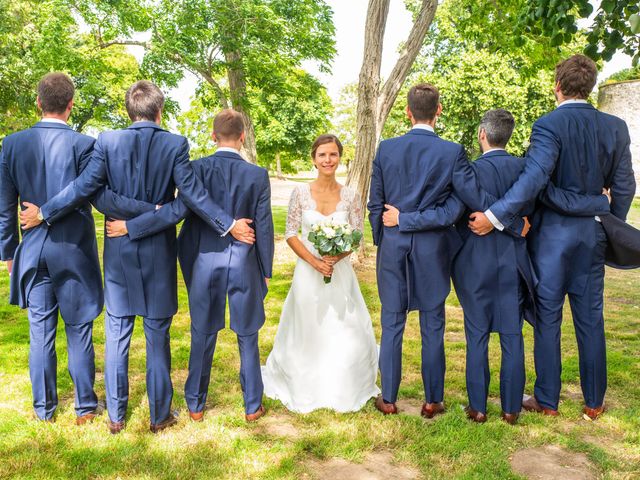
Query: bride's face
(327, 159)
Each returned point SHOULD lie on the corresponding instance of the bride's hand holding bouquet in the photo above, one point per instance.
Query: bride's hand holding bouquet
(333, 241)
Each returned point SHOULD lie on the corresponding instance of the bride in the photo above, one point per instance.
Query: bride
(324, 354)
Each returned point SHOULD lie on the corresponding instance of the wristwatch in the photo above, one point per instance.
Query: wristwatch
(39, 215)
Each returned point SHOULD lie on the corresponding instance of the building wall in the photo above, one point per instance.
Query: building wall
(623, 100)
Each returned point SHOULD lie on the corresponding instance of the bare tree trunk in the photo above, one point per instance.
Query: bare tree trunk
(368, 90)
(375, 103)
(238, 94)
(279, 167)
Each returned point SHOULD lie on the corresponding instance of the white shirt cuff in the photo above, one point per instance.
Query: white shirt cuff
(230, 228)
(492, 218)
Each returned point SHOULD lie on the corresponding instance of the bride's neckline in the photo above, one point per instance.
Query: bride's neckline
(315, 204)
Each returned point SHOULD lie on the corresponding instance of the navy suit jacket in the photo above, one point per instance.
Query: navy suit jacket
(493, 273)
(215, 266)
(145, 163)
(35, 165)
(577, 151)
(418, 173)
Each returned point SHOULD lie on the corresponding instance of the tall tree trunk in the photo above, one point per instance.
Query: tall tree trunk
(279, 167)
(238, 94)
(375, 103)
(368, 90)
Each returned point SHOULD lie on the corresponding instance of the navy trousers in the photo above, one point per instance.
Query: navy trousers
(512, 374)
(116, 367)
(43, 323)
(433, 360)
(202, 349)
(588, 321)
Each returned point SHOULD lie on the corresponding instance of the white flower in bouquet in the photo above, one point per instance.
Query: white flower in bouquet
(329, 231)
(334, 238)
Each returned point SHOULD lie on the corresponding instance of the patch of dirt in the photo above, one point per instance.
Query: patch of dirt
(454, 336)
(409, 406)
(552, 462)
(279, 426)
(376, 466)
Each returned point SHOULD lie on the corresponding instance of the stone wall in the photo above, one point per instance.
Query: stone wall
(623, 100)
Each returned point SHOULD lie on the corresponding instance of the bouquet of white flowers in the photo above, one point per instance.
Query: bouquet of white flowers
(333, 238)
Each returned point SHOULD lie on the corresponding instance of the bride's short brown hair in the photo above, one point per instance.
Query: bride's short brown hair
(323, 140)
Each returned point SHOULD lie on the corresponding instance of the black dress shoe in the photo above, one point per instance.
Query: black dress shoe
(170, 421)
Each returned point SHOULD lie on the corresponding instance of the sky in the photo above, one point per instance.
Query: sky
(349, 19)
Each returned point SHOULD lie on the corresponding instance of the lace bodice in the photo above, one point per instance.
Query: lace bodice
(302, 212)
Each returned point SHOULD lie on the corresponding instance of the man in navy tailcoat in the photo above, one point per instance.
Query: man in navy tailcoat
(493, 278)
(54, 269)
(216, 267)
(412, 211)
(145, 164)
(579, 150)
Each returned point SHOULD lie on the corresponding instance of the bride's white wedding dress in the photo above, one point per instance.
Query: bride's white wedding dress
(324, 354)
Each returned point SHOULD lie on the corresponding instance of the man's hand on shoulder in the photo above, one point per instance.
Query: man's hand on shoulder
(10, 266)
(30, 217)
(607, 193)
(242, 232)
(390, 218)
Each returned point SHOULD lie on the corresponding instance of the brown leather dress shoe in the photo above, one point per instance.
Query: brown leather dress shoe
(384, 407)
(86, 418)
(115, 427)
(510, 418)
(430, 410)
(196, 416)
(593, 413)
(252, 417)
(530, 404)
(475, 415)
(170, 421)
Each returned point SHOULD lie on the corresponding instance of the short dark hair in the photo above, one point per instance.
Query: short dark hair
(55, 91)
(423, 100)
(577, 76)
(498, 125)
(144, 101)
(228, 125)
(323, 140)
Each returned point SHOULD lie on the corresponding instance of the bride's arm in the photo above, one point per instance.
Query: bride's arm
(294, 220)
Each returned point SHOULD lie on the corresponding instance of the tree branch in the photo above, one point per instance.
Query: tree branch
(409, 53)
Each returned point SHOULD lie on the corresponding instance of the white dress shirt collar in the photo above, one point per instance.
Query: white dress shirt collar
(423, 126)
(52, 120)
(572, 100)
(227, 149)
(494, 150)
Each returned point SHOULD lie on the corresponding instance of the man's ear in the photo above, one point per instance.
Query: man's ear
(159, 117)
(439, 111)
(558, 88)
(39, 103)
(214, 137)
(242, 137)
(409, 114)
(70, 106)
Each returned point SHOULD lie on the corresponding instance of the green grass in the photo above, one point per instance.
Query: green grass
(224, 446)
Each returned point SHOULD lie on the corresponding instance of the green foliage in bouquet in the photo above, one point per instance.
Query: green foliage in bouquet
(334, 238)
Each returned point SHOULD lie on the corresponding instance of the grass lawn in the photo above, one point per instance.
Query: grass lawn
(224, 446)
